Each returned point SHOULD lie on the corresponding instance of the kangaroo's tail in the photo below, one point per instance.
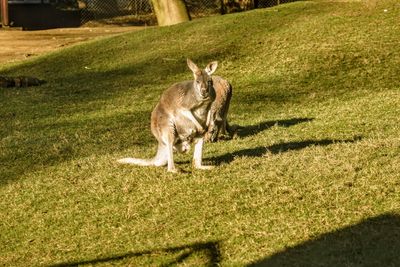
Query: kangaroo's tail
(135, 161)
(159, 160)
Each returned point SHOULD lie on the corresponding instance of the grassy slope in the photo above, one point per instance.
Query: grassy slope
(316, 168)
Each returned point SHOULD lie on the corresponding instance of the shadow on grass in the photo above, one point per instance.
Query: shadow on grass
(278, 148)
(209, 249)
(257, 128)
(372, 242)
(51, 143)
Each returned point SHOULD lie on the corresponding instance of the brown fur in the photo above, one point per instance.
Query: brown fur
(218, 124)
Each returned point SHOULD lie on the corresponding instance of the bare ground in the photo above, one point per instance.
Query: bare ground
(17, 45)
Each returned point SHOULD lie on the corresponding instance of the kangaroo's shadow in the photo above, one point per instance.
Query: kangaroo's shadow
(278, 148)
(257, 128)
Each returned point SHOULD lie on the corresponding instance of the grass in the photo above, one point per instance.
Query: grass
(311, 180)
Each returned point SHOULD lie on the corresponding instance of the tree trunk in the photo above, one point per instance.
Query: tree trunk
(170, 12)
(4, 13)
(20, 81)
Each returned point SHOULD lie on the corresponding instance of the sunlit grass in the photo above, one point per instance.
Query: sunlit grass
(316, 89)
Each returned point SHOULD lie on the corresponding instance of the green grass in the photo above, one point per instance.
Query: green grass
(313, 179)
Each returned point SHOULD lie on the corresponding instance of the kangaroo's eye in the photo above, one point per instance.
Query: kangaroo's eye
(198, 82)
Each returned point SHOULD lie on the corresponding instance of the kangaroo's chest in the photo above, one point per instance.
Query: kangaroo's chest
(184, 126)
(201, 113)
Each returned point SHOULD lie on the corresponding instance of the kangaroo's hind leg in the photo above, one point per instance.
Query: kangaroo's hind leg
(168, 139)
(161, 157)
(198, 155)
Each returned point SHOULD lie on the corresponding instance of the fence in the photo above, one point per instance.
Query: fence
(40, 14)
(139, 12)
(132, 12)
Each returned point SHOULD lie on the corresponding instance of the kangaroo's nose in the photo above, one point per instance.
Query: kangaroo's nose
(204, 91)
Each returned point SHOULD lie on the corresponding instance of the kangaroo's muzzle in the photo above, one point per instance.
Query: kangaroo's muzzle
(205, 91)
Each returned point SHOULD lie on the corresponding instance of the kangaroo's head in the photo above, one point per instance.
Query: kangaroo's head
(202, 78)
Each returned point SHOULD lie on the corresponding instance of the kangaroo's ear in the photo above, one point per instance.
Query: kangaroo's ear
(192, 66)
(211, 67)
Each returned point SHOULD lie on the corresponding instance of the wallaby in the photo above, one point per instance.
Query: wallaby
(218, 123)
(180, 118)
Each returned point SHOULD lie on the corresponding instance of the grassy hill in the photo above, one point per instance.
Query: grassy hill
(312, 178)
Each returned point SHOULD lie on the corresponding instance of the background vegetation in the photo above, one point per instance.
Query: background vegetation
(312, 179)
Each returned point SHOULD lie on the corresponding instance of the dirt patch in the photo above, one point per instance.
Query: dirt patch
(18, 45)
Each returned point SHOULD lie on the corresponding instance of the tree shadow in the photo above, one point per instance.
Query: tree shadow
(57, 142)
(209, 249)
(372, 242)
(257, 128)
(278, 148)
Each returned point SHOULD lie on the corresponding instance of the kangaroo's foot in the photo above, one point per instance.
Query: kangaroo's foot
(204, 167)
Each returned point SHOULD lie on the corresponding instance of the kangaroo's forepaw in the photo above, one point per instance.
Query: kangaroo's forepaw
(207, 137)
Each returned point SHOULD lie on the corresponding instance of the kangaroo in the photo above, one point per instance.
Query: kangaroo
(180, 118)
(218, 123)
